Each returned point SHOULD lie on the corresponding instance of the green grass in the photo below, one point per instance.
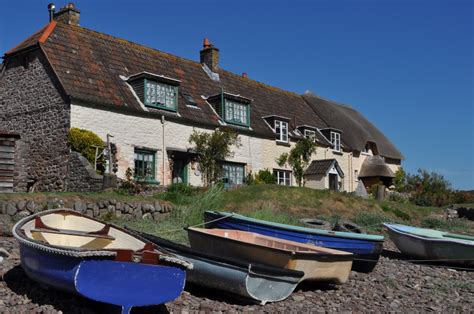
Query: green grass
(453, 284)
(457, 225)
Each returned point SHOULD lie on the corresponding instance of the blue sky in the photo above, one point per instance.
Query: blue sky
(408, 66)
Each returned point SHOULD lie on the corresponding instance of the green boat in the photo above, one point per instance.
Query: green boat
(433, 245)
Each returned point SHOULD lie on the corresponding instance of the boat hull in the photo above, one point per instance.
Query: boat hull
(442, 250)
(366, 252)
(252, 282)
(316, 267)
(104, 280)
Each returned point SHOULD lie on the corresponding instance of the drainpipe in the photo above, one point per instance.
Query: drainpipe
(163, 147)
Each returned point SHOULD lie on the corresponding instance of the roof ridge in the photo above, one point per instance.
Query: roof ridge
(331, 101)
(125, 41)
(278, 89)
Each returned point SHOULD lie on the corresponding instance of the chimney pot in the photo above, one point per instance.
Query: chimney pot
(51, 10)
(68, 14)
(209, 55)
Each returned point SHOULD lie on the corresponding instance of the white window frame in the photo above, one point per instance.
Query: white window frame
(280, 125)
(282, 177)
(336, 141)
(366, 149)
(309, 134)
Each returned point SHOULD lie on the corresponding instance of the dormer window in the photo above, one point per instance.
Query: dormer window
(236, 112)
(233, 109)
(156, 91)
(310, 134)
(161, 95)
(281, 130)
(336, 141)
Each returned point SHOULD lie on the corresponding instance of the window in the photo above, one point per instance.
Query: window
(336, 141)
(161, 95)
(310, 134)
(282, 177)
(236, 113)
(281, 129)
(366, 149)
(232, 174)
(144, 165)
(356, 175)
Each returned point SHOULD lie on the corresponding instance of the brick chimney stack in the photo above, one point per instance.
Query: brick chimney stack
(210, 55)
(68, 14)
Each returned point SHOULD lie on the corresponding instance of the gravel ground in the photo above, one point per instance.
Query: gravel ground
(395, 285)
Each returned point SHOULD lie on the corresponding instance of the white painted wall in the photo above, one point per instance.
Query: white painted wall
(132, 132)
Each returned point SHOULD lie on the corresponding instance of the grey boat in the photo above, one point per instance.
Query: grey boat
(252, 282)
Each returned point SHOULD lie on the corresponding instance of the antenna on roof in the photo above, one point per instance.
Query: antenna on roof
(51, 9)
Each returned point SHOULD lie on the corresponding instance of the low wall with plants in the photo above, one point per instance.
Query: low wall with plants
(153, 210)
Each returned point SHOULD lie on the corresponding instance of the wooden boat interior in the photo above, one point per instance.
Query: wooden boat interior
(271, 242)
(71, 230)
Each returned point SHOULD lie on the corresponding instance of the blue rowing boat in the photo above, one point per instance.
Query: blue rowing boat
(365, 247)
(71, 252)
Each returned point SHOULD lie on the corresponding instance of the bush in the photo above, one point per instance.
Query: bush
(264, 177)
(83, 142)
(429, 189)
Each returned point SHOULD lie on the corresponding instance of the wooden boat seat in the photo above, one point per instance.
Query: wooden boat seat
(40, 226)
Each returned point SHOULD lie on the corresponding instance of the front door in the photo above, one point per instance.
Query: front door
(180, 171)
(333, 182)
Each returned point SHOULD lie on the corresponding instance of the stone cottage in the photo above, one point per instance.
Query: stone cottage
(66, 76)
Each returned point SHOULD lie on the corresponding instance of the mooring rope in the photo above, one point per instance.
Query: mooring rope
(197, 225)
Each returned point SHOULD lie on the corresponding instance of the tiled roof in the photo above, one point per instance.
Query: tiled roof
(321, 167)
(92, 68)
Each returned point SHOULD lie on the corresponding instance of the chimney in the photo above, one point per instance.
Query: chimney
(210, 55)
(68, 14)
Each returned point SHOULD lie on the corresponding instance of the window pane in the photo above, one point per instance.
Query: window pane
(144, 165)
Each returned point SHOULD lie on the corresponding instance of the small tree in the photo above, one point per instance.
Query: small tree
(212, 148)
(400, 180)
(298, 158)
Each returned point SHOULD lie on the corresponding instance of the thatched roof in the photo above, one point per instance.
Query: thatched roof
(375, 166)
(356, 130)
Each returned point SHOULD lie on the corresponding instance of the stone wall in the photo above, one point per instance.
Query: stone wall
(81, 176)
(32, 106)
(98, 209)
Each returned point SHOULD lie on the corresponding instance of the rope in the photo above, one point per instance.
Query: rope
(197, 225)
(50, 249)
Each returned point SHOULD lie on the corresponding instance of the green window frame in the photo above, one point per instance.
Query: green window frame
(161, 95)
(145, 165)
(236, 113)
(233, 174)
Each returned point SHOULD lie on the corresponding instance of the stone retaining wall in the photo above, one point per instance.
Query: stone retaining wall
(81, 176)
(98, 209)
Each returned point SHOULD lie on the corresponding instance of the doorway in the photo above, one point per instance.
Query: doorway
(333, 184)
(180, 170)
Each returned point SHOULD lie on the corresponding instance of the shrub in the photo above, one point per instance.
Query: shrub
(264, 177)
(371, 221)
(84, 142)
(429, 189)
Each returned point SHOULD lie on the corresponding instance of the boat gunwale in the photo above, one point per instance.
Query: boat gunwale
(429, 239)
(183, 250)
(286, 227)
(345, 256)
